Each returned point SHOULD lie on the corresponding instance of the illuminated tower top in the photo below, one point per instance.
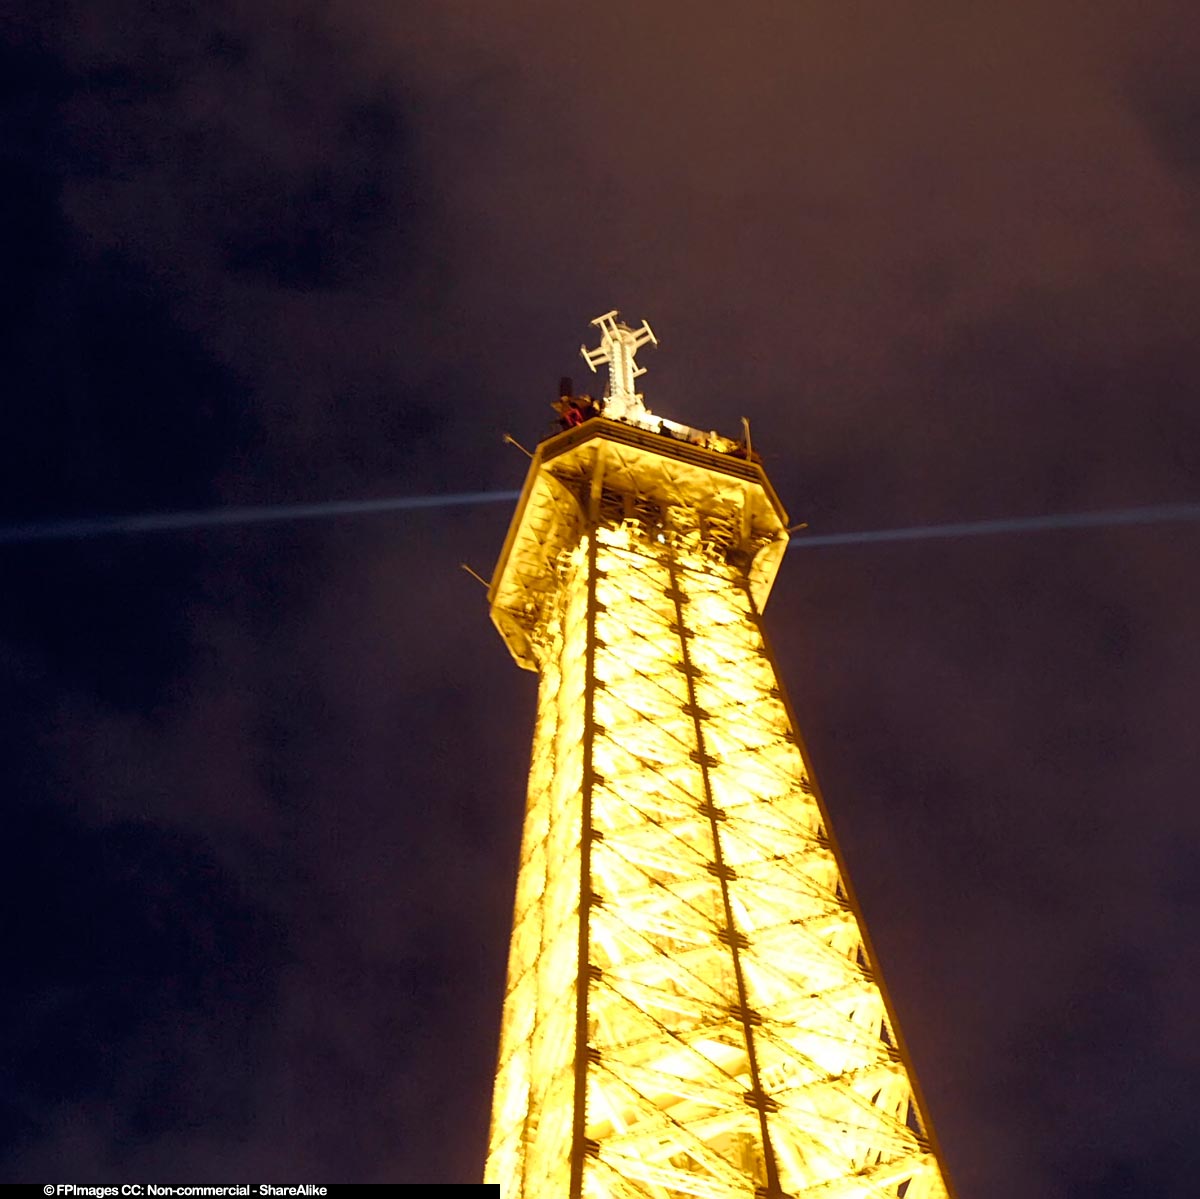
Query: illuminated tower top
(678, 483)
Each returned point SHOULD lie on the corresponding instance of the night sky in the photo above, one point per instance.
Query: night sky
(263, 786)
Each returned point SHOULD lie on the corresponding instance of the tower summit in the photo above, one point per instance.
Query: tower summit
(691, 1007)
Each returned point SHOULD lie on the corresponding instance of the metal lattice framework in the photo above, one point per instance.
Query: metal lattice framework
(690, 1007)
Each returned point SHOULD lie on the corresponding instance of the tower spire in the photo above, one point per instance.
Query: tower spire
(618, 347)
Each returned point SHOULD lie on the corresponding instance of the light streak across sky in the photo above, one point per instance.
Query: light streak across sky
(155, 522)
(1105, 519)
(77, 528)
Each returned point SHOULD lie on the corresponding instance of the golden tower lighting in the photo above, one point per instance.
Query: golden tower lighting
(690, 1006)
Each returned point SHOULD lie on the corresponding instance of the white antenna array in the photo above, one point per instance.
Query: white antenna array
(618, 346)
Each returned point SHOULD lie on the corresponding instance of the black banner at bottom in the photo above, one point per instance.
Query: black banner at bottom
(251, 1190)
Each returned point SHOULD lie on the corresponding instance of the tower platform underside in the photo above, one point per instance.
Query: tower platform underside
(690, 1008)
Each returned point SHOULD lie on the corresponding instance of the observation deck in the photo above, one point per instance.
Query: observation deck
(609, 472)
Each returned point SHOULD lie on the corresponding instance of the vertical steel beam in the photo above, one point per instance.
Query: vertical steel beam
(579, 1145)
(757, 1097)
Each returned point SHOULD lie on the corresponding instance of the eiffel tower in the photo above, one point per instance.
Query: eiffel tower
(691, 1009)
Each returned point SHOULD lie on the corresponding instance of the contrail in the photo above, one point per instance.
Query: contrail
(1156, 514)
(154, 522)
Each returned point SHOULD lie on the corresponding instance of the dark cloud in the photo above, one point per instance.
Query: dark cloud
(330, 216)
(142, 983)
(113, 406)
(1172, 116)
(1160, 87)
